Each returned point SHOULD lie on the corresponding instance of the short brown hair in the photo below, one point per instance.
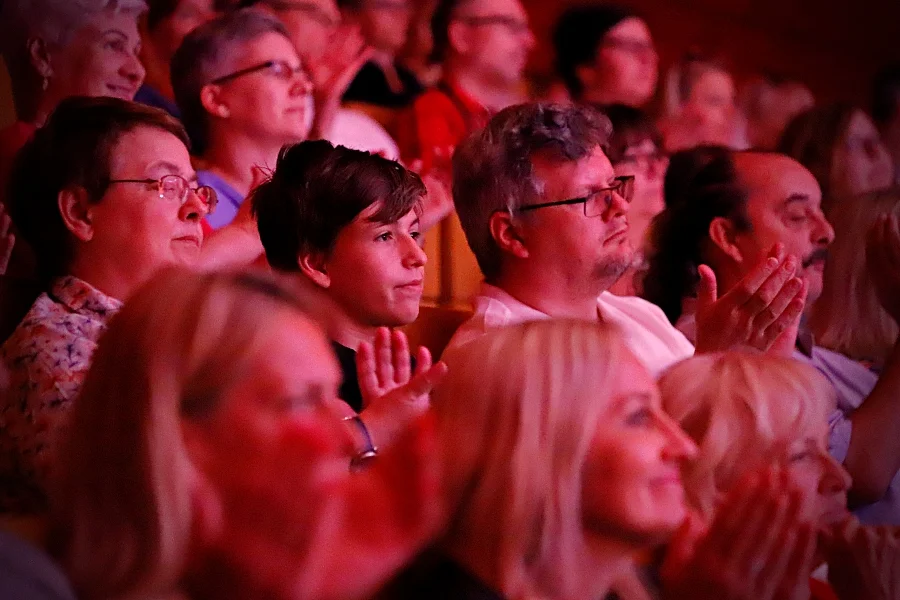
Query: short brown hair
(317, 189)
(72, 150)
(492, 168)
(630, 127)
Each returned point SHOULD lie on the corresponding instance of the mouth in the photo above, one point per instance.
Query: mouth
(190, 240)
(618, 236)
(413, 286)
(125, 92)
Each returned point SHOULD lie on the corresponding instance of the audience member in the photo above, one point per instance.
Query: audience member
(635, 149)
(54, 50)
(727, 210)
(382, 81)
(162, 30)
(483, 46)
(701, 106)
(840, 145)
(243, 94)
(546, 217)
(769, 104)
(886, 112)
(344, 226)
(747, 412)
(559, 465)
(849, 317)
(105, 195)
(207, 456)
(605, 55)
(417, 54)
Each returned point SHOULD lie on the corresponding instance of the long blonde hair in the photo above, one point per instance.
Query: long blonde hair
(848, 317)
(516, 416)
(740, 409)
(121, 504)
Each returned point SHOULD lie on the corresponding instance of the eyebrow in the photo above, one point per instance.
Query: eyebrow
(164, 167)
(116, 32)
(796, 198)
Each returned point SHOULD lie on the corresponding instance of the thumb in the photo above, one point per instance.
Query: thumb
(707, 289)
(426, 381)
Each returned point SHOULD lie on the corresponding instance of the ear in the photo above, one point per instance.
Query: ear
(40, 56)
(212, 101)
(458, 36)
(722, 233)
(506, 234)
(76, 212)
(314, 266)
(208, 521)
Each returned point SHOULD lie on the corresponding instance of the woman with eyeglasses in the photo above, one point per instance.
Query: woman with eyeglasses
(243, 94)
(635, 149)
(106, 195)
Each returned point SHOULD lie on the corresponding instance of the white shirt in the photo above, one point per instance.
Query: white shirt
(647, 331)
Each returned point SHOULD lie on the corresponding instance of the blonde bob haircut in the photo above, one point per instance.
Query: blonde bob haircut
(742, 410)
(122, 503)
(516, 416)
(848, 317)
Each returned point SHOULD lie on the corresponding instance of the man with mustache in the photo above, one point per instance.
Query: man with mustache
(724, 211)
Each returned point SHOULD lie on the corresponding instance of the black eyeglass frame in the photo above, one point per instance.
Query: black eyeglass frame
(511, 23)
(255, 68)
(624, 187)
(211, 192)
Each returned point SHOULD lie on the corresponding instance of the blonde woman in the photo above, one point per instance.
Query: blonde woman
(849, 316)
(559, 464)
(747, 411)
(207, 458)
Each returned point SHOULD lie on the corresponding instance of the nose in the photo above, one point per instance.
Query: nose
(835, 478)
(194, 208)
(133, 70)
(302, 84)
(824, 233)
(618, 207)
(679, 445)
(528, 39)
(414, 256)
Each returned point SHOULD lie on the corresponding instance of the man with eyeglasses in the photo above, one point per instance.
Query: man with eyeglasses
(547, 219)
(106, 195)
(243, 93)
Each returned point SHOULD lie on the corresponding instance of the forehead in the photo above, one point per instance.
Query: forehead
(494, 7)
(631, 28)
(110, 19)
(137, 150)
(770, 179)
(268, 46)
(573, 177)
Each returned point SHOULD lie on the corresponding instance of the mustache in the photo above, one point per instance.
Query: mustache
(816, 255)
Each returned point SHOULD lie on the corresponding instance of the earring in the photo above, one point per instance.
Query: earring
(224, 112)
(45, 83)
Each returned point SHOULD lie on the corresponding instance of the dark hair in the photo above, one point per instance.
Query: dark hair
(577, 37)
(812, 137)
(199, 60)
(160, 10)
(886, 94)
(630, 127)
(73, 150)
(318, 189)
(701, 184)
(492, 168)
(440, 25)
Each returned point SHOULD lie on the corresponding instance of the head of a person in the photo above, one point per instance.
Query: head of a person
(747, 411)
(849, 316)
(240, 75)
(383, 23)
(348, 222)
(167, 22)
(769, 103)
(701, 92)
(55, 49)
(728, 209)
(311, 24)
(840, 145)
(886, 107)
(107, 185)
(635, 149)
(604, 53)
(490, 39)
(201, 384)
(554, 443)
(528, 156)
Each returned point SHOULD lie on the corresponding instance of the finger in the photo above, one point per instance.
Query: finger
(707, 289)
(383, 356)
(789, 317)
(799, 567)
(769, 289)
(366, 373)
(756, 531)
(423, 360)
(732, 514)
(748, 286)
(769, 314)
(426, 381)
(400, 351)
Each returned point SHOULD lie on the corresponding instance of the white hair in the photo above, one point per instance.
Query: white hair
(55, 21)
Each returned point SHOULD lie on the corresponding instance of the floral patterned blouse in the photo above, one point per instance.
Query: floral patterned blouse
(46, 360)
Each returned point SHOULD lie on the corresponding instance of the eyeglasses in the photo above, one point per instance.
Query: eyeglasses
(276, 68)
(175, 188)
(511, 23)
(315, 12)
(596, 203)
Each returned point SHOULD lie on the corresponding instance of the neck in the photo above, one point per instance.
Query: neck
(550, 293)
(233, 155)
(105, 274)
(347, 332)
(486, 91)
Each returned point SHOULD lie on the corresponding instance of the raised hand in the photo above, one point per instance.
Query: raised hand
(393, 395)
(863, 562)
(757, 547)
(756, 311)
(883, 260)
(333, 74)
